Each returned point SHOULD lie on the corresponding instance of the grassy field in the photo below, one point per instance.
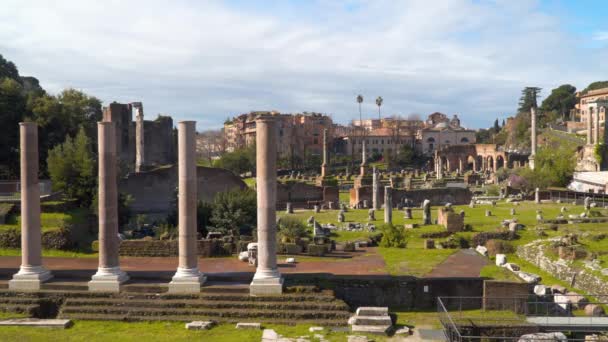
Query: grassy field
(50, 221)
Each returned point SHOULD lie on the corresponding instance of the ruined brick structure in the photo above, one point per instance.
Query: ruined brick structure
(158, 146)
(477, 157)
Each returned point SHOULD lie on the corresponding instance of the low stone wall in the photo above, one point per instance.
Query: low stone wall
(297, 193)
(582, 279)
(405, 292)
(504, 295)
(169, 248)
(437, 196)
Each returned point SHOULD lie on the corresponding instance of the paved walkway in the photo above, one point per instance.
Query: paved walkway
(466, 263)
(364, 262)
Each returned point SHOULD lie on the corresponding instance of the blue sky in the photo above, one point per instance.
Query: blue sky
(208, 60)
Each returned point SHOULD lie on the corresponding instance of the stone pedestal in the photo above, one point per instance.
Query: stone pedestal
(31, 273)
(388, 205)
(109, 277)
(188, 278)
(267, 279)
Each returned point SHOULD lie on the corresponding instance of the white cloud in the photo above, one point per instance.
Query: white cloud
(209, 60)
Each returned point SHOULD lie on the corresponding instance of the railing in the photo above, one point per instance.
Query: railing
(508, 318)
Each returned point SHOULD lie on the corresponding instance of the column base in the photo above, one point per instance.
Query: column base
(107, 279)
(267, 284)
(187, 280)
(29, 278)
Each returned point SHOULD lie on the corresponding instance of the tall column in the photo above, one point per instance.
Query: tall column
(439, 168)
(596, 128)
(267, 279)
(324, 165)
(363, 158)
(605, 140)
(532, 137)
(139, 138)
(188, 278)
(375, 190)
(388, 204)
(109, 276)
(31, 273)
(589, 119)
(460, 166)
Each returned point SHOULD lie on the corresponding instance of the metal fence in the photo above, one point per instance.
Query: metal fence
(508, 318)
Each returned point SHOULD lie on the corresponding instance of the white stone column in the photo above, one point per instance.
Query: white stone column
(589, 128)
(596, 124)
(388, 204)
(139, 138)
(31, 273)
(188, 278)
(363, 157)
(439, 168)
(267, 279)
(375, 190)
(109, 276)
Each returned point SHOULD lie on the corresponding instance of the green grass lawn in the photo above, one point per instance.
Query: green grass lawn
(413, 261)
(159, 331)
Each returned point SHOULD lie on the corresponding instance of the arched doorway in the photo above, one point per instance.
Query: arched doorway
(500, 162)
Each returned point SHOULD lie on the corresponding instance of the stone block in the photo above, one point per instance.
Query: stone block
(594, 310)
(372, 311)
(481, 250)
(541, 290)
(558, 289)
(270, 286)
(200, 325)
(429, 244)
(247, 325)
(36, 322)
(501, 259)
(543, 337)
(372, 329)
(577, 300)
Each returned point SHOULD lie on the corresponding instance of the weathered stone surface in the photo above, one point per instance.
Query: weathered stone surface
(541, 290)
(594, 310)
(247, 325)
(200, 325)
(482, 250)
(36, 322)
(372, 311)
(543, 337)
(501, 259)
(580, 278)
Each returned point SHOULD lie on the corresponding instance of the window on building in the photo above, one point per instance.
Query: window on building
(430, 140)
(315, 141)
(464, 140)
(447, 142)
(431, 146)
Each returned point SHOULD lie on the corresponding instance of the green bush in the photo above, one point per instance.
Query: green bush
(58, 206)
(316, 250)
(10, 238)
(291, 229)
(57, 239)
(5, 210)
(235, 210)
(292, 248)
(349, 246)
(392, 236)
(95, 246)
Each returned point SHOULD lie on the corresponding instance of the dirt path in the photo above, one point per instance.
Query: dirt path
(465, 263)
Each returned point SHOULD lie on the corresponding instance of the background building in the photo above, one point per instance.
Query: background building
(298, 134)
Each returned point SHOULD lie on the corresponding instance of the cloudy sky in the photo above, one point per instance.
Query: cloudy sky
(208, 60)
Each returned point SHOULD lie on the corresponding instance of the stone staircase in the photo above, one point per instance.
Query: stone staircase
(149, 302)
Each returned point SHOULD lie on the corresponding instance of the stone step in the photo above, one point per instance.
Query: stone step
(372, 320)
(372, 311)
(173, 303)
(171, 318)
(211, 312)
(372, 329)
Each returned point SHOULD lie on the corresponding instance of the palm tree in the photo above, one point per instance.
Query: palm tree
(379, 103)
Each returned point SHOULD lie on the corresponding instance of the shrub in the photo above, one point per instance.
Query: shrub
(392, 236)
(454, 242)
(57, 239)
(291, 229)
(5, 210)
(436, 235)
(316, 250)
(292, 248)
(10, 238)
(499, 247)
(235, 210)
(349, 246)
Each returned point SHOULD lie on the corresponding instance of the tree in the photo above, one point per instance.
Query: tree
(12, 111)
(405, 156)
(291, 229)
(379, 101)
(235, 210)
(596, 85)
(72, 168)
(496, 126)
(8, 69)
(239, 161)
(561, 100)
(528, 99)
(359, 101)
